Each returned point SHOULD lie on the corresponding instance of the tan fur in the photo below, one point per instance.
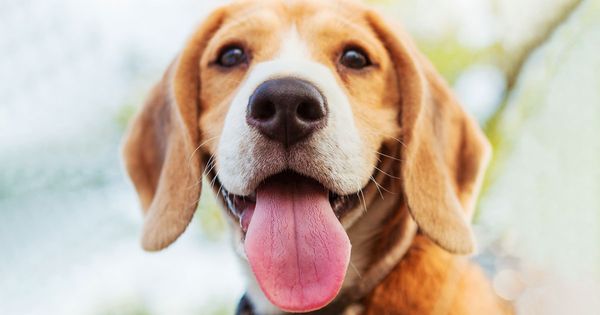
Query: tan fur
(430, 153)
(432, 281)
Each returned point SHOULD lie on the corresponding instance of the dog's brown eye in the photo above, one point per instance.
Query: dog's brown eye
(355, 59)
(231, 56)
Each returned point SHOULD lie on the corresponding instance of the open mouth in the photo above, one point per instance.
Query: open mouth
(294, 241)
(242, 207)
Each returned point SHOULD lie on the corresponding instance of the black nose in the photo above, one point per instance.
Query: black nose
(287, 110)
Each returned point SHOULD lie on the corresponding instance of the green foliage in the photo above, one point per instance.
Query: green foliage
(137, 307)
(210, 217)
(125, 308)
(385, 2)
(451, 58)
(218, 309)
(124, 115)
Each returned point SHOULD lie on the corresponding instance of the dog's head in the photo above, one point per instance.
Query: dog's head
(291, 108)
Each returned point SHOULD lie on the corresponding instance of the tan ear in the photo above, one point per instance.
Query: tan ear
(159, 149)
(444, 154)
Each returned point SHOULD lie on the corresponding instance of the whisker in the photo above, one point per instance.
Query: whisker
(220, 188)
(210, 165)
(195, 184)
(377, 186)
(389, 156)
(384, 173)
(199, 146)
(398, 140)
(208, 169)
(372, 131)
(364, 202)
(356, 270)
(214, 180)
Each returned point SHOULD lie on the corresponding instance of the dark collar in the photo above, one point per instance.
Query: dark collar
(245, 308)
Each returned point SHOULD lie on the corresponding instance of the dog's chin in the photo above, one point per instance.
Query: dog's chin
(241, 208)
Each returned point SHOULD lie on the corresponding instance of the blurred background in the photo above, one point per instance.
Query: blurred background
(73, 72)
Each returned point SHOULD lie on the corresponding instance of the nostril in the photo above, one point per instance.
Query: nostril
(264, 111)
(309, 111)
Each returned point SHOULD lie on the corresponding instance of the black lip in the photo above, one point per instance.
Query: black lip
(341, 204)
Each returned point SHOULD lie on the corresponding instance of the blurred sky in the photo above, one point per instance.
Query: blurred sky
(72, 72)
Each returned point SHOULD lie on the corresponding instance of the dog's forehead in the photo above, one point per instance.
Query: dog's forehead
(278, 14)
(323, 27)
(298, 6)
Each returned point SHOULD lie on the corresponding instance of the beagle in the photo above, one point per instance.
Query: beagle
(345, 165)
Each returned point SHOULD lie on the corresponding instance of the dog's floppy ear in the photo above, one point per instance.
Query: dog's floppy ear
(444, 154)
(159, 149)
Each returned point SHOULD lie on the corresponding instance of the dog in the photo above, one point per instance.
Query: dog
(346, 167)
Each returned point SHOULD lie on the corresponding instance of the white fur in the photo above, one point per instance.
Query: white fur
(260, 303)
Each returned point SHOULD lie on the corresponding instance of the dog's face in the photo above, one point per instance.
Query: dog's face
(291, 108)
(327, 75)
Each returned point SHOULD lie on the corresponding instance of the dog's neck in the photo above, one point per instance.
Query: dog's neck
(381, 236)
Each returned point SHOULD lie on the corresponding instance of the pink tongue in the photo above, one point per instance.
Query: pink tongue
(297, 248)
